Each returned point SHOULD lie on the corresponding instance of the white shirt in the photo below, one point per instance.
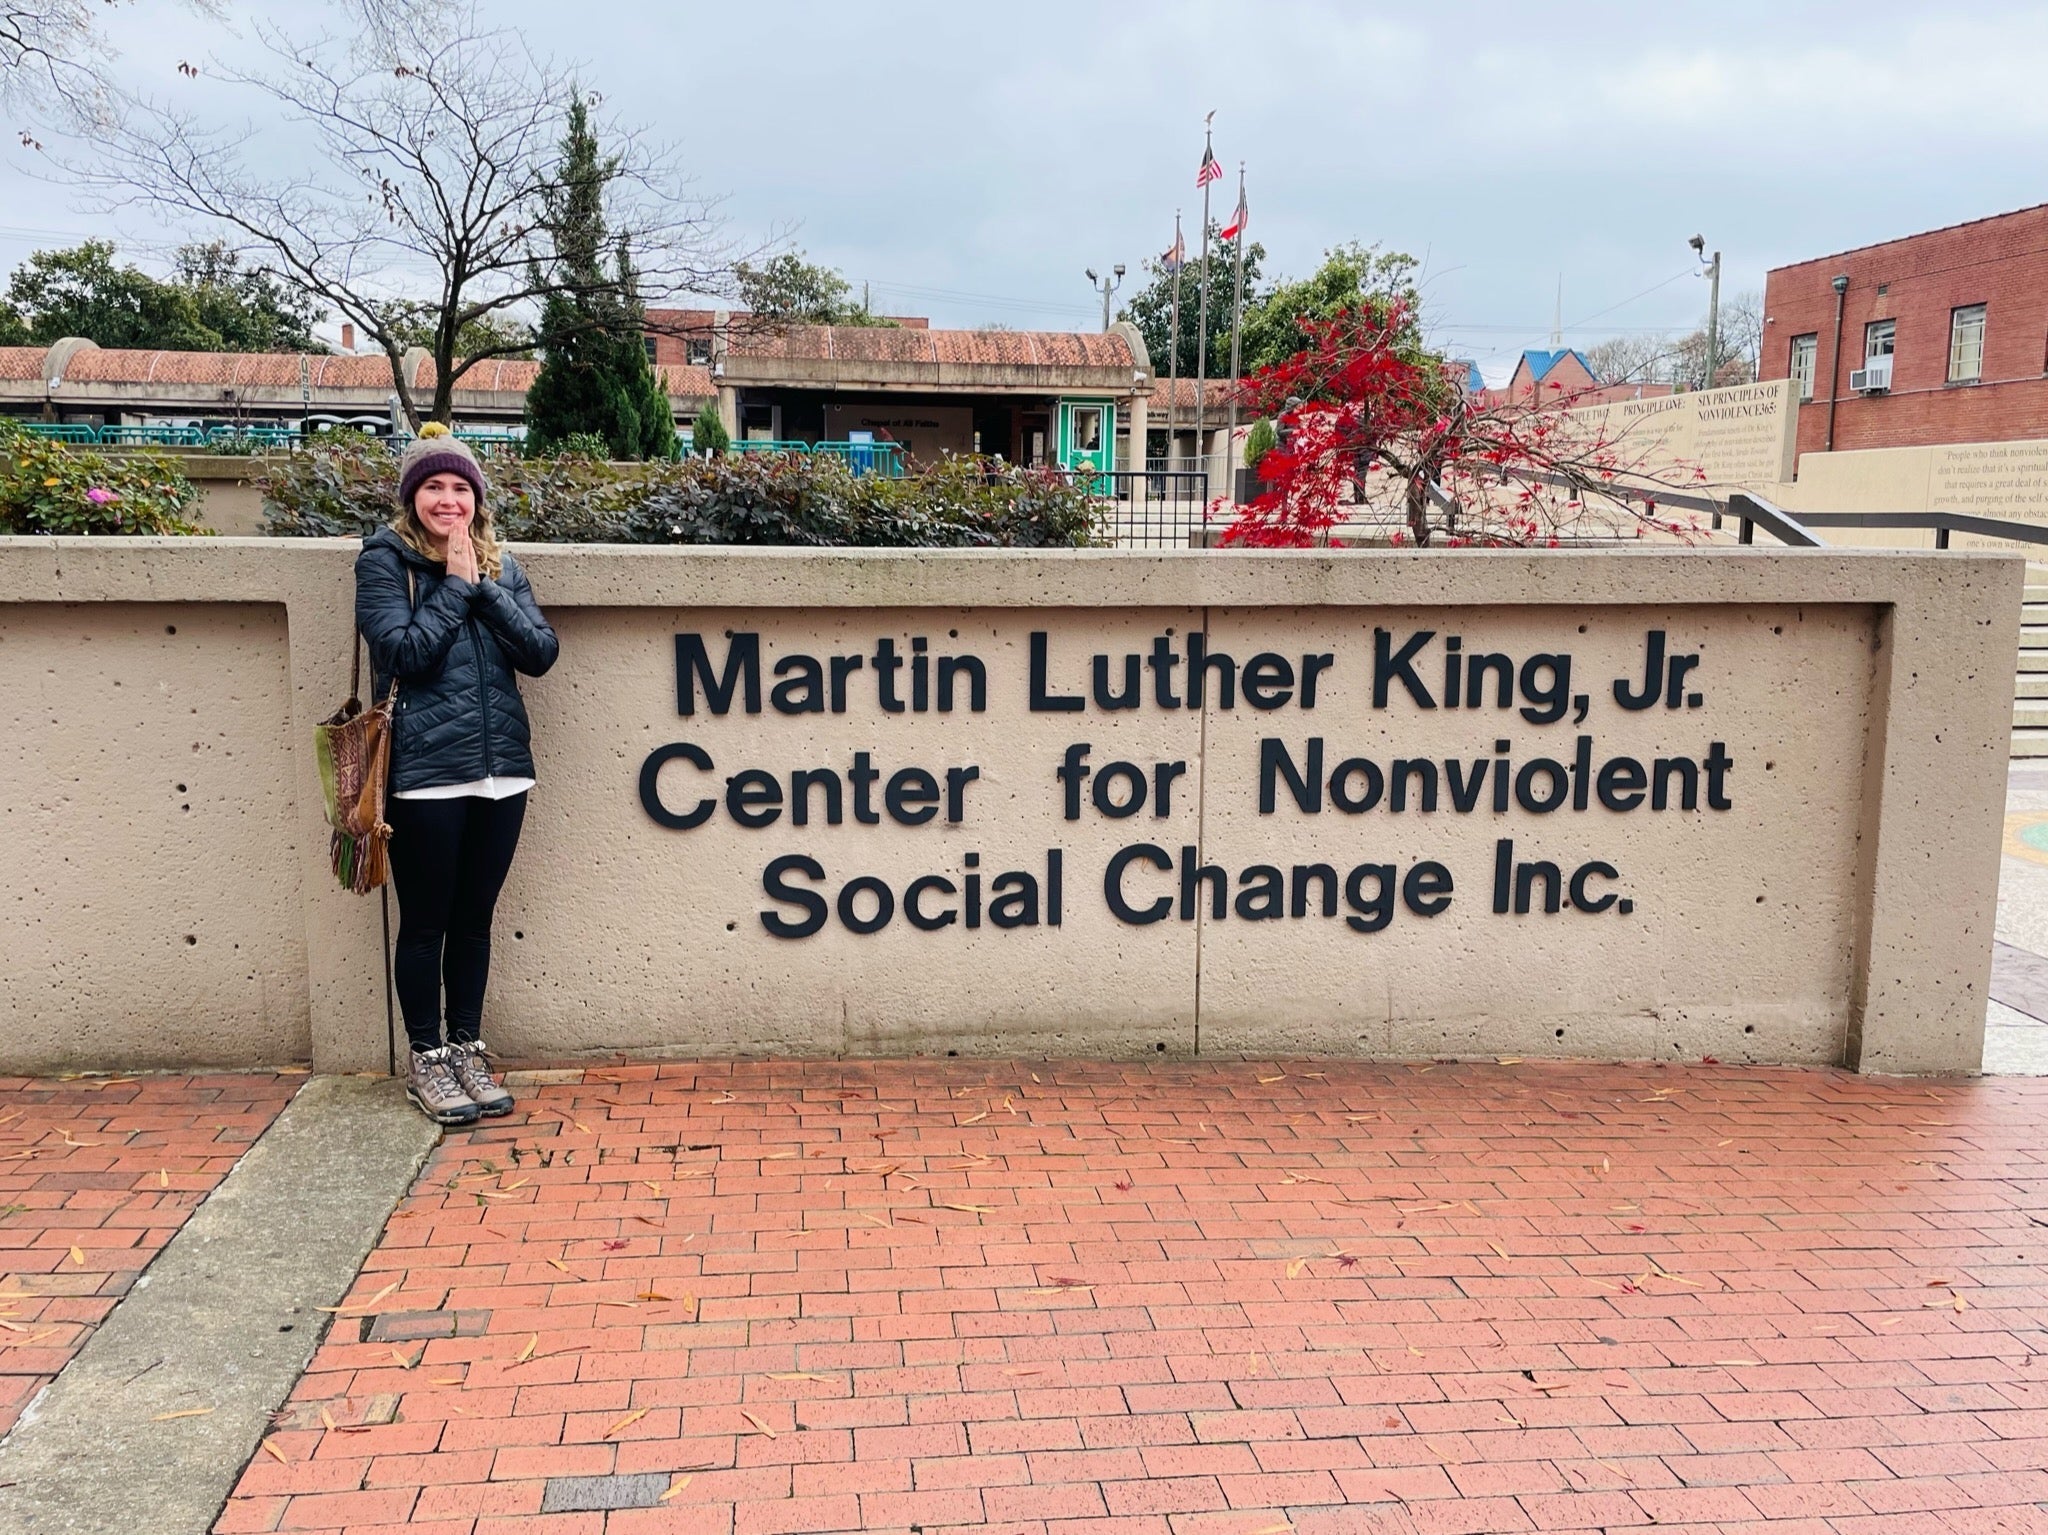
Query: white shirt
(482, 788)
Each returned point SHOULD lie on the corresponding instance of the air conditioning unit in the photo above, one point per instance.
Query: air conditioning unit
(1874, 377)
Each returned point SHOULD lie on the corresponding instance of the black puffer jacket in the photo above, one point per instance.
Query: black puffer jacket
(453, 646)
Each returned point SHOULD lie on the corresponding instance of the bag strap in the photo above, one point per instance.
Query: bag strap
(355, 660)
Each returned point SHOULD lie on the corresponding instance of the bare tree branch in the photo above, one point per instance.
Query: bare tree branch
(436, 158)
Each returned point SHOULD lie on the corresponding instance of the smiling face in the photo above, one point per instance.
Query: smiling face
(443, 503)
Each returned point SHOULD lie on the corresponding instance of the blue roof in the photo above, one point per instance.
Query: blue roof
(1474, 380)
(1541, 362)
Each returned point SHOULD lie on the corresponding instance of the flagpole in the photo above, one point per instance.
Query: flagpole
(1180, 259)
(1236, 316)
(1202, 324)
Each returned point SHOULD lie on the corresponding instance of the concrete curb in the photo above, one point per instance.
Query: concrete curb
(225, 1320)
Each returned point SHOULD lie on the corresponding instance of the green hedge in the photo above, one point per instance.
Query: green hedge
(52, 487)
(348, 484)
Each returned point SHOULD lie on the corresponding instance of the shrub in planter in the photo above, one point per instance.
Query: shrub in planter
(52, 487)
(348, 485)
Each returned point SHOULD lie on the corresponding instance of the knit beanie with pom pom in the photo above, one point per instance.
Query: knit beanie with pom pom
(437, 451)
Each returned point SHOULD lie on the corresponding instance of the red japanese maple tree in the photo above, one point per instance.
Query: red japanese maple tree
(1367, 418)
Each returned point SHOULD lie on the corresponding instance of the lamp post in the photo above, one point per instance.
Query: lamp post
(1699, 249)
(1106, 286)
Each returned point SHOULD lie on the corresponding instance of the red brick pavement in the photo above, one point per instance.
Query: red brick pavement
(96, 1174)
(1198, 1299)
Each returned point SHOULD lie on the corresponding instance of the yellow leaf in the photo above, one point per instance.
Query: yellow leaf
(1737, 1363)
(189, 1412)
(673, 1488)
(650, 1295)
(630, 1418)
(78, 1256)
(526, 1353)
(1294, 1268)
(801, 1375)
(1031, 1370)
(1281, 1078)
(447, 1380)
(274, 1450)
(163, 1177)
(1499, 1250)
(558, 1263)
(656, 1188)
(398, 1357)
(327, 1418)
(1509, 1060)
(971, 1209)
(53, 480)
(764, 1428)
(971, 1118)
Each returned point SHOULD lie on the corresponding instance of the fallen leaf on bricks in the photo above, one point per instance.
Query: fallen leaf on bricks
(801, 1375)
(1028, 1370)
(653, 1187)
(1499, 1251)
(1736, 1364)
(363, 1307)
(1294, 1268)
(1281, 1078)
(526, 1353)
(650, 1295)
(78, 1256)
(673, 1488)
(327, 1420)
(398, 1358)
(971, 1209)
(627, 1421)
(764, 1428)
(271, 1446)
(163, 1177)
(189, 1412)
(974, 1118)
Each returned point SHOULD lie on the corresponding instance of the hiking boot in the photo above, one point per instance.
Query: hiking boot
(476, 1080)
(432, 1086)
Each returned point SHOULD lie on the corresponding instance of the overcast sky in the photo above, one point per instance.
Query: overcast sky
(969, 161)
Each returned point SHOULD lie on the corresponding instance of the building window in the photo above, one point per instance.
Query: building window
(648, 342)
(697, 351)
(1966, 344)
(1878, 338)
(1805, 354)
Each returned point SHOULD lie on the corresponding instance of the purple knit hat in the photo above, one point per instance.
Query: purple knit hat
(437, 451)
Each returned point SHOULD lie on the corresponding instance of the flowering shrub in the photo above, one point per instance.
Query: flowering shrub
(52, 487)
(347, 484)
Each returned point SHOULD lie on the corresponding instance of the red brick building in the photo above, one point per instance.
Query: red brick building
(1935, 338)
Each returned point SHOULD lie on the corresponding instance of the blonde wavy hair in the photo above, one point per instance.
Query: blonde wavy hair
(490, 555)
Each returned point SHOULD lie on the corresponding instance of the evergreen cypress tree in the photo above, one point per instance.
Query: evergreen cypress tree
(595, 376)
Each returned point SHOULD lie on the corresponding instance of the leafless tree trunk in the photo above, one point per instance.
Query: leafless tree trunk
(437, 155)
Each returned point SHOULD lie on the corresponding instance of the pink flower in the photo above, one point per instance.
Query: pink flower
(99, 495)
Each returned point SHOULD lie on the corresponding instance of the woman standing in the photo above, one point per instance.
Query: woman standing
(448, 613)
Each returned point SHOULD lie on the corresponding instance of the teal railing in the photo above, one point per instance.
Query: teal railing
(59, 432)
(882, 458)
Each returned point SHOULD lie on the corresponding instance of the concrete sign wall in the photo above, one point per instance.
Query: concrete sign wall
(1621, 805)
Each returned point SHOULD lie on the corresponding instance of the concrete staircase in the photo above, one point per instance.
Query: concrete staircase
(2030, 686)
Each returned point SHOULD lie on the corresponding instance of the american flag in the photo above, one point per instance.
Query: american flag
(1210, 170)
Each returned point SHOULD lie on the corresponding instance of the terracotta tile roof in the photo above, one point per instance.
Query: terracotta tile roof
(684, 383)
(1179, 393)
(254, 370)
(882, 344)
(22, 362)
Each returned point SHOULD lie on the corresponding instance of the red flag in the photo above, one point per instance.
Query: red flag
(1210, 170)
(1237, 222)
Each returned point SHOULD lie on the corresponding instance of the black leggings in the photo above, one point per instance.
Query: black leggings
(449, 858)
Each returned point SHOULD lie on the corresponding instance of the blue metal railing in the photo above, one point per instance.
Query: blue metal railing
(882, 458)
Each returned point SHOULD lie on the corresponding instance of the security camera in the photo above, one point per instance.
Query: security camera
(1091, 275)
